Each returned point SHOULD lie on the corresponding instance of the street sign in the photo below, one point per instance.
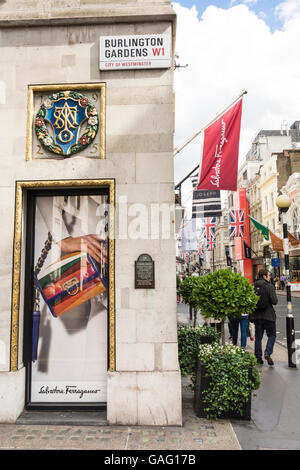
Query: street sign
(275, 262)
(135, 52)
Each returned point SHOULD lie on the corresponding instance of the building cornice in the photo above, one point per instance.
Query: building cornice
(12, 16)
(269, 180)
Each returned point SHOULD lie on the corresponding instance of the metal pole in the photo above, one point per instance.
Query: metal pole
(178, 185)
(290, 329)
(177, 150)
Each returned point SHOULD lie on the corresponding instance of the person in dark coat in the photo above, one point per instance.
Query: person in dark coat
(265, 318)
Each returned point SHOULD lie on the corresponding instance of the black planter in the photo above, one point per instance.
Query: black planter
(202, 383)
(206, 339)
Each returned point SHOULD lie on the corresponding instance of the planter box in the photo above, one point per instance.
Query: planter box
(202, 383)
(206, 339)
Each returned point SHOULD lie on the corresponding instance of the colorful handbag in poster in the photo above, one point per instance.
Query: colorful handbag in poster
(70, 281)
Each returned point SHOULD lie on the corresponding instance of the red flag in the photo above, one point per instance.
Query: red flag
(219, 157)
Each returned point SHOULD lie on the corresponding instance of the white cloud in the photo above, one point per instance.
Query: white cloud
(228, 51)
(263, 15)
(288, 10)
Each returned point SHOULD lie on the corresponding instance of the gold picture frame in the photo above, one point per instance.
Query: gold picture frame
(21, 188)
(82, 87)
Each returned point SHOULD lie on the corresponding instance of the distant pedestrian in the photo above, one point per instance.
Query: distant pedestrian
(283, 281)
(213, 323)
(229, 328)
(264, 316)
(242, 321)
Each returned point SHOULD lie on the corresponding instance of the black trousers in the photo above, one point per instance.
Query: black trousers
(269, 327)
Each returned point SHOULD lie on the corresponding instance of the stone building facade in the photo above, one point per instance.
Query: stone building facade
(224, 245)
(292, 189)
(50, 52)
(255, 208)
(265, 171)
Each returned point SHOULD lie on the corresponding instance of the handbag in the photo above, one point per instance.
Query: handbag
(65, 284)
(70, 281)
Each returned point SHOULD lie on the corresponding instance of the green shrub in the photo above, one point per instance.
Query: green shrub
(188, 346)
(223, 294)
(230, 386)
(186, 289)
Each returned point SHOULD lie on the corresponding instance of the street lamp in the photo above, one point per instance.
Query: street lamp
(283, 203)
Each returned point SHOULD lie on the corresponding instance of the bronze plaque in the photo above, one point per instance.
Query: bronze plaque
(144, 272)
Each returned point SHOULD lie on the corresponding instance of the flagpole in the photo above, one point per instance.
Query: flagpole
(182, 181)
(177, 150)
(283, 203)
(243, 238)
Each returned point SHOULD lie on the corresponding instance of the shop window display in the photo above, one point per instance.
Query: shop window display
(69, 327)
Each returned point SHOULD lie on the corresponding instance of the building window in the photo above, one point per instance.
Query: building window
(266, 204)
(230, 200)
(295, 222)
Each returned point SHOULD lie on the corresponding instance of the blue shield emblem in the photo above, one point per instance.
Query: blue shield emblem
(66, 123)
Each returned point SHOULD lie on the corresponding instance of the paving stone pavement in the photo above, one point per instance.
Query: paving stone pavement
(195, 434)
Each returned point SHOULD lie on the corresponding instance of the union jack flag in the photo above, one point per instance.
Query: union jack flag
(211, 244)
(184, 222)
(209, 228)
(236, 218)
(202, 234)
(201, 249)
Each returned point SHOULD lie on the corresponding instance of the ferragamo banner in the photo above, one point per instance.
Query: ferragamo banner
(220, 150)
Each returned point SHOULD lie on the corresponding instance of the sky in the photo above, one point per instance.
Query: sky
(229, 46)
(265, 9)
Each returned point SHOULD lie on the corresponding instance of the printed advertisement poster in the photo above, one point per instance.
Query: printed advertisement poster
(69, 338)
